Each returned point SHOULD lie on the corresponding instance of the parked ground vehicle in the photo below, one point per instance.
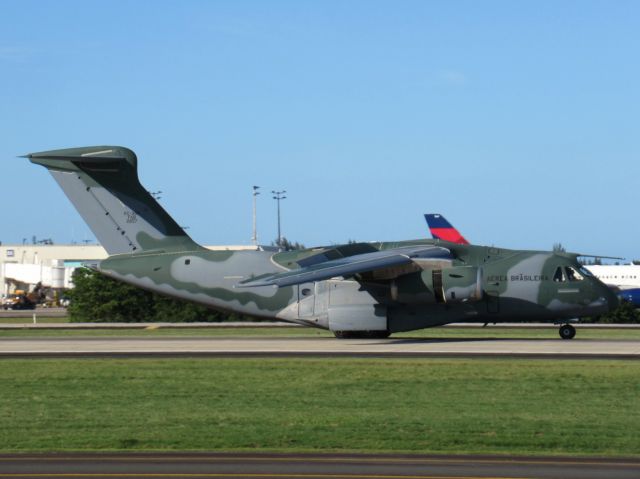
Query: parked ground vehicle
(19, 300)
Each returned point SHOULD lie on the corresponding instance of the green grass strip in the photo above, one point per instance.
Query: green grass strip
(399, 405)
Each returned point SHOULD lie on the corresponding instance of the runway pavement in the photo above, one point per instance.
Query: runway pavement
(309, 466)
(39, 312)
(24, 320)
(206, 346)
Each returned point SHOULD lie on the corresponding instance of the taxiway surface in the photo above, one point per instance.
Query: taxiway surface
(387, 466)
(207, 346)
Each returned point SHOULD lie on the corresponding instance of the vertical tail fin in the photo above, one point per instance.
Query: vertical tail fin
(441, 229)
(102, 183)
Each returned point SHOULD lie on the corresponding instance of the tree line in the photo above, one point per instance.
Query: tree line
(99, 299)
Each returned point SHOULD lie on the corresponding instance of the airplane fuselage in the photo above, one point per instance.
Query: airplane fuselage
(478, 284)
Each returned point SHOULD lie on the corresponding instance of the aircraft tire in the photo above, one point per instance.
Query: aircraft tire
(378, 334)
(567, 331)
(350, 334)
(361, 334)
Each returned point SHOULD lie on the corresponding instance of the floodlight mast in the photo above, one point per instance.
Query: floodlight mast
(254, 238)
(279, 196)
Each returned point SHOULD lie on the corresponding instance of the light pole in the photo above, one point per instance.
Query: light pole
(278, 196)
(254, 238)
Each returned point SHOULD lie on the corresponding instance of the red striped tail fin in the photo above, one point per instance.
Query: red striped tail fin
(441, 229)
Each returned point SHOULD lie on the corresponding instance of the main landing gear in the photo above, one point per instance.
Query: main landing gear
(361, 334)
(567, 331)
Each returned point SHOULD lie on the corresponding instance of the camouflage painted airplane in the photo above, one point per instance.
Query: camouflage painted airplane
(354, 290)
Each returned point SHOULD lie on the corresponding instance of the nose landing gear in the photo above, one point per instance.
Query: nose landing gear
(567, 331)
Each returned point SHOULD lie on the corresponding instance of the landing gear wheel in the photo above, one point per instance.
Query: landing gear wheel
(567, 331)
(378, 334)
(361, 334)
(348, 334)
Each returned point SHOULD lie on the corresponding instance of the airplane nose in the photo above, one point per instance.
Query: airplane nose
(615, 302)
(612, 299)
(603, 300)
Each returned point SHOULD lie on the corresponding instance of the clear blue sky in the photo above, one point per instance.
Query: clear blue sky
(520, 121)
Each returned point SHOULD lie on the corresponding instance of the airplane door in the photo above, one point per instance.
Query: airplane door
(321, 299)
(313, 302)
(493, 302)
(305, 300)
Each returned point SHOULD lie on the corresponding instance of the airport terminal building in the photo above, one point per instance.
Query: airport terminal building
(24, 266)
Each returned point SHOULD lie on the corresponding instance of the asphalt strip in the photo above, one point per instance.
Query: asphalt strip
(265, 465)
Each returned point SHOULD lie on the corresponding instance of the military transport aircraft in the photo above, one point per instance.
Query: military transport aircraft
(353, 290)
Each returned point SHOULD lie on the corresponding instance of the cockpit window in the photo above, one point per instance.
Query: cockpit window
(558, 276)
(573, 275)
(585, 272)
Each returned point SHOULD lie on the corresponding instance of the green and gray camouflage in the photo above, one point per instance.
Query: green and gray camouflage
(355, 289)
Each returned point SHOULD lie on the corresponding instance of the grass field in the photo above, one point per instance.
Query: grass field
(436, 333)
(412, 405)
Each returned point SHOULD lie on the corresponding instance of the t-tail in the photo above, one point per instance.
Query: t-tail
(102, 183)
(441, 229)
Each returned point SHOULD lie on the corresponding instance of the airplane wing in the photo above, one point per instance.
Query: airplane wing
(337, 252)
(348, 266)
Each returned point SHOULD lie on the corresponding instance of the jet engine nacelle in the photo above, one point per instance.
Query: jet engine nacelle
(458, 284)
(414, 288)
